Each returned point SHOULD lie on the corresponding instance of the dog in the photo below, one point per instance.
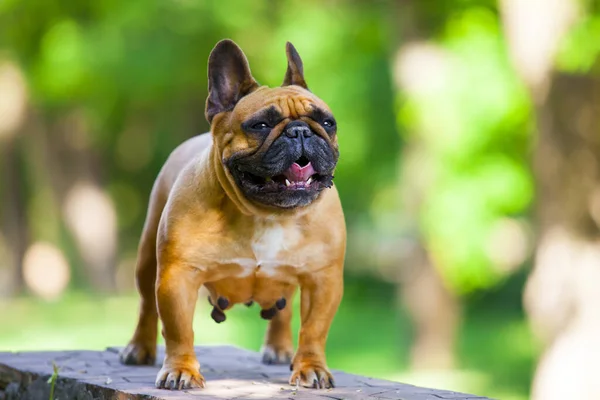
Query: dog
(250, 212)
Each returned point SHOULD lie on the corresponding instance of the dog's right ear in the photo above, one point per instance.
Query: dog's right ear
(229, 78)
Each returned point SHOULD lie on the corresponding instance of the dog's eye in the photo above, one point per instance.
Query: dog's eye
(329, 123)
(259, 126)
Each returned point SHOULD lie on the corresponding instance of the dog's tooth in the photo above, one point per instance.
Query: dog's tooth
(308, 181)
(287, 183)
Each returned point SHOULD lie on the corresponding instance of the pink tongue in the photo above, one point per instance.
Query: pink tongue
(296, 173)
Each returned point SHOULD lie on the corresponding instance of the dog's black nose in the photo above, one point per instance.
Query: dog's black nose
(297, 129)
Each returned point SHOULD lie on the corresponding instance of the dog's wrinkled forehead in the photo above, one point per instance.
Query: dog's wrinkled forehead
(279, 103)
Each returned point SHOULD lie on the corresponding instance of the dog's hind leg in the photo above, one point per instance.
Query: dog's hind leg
(278, 347)
(141, 349)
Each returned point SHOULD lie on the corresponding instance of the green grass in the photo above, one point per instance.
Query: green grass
(369, 336)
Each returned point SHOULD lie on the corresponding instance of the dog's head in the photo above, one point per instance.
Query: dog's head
(277, 146)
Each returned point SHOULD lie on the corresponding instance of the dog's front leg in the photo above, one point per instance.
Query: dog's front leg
(176, 294)
(321, 293)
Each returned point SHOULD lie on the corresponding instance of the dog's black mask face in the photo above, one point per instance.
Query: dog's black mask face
(294, 162)
(278, 144)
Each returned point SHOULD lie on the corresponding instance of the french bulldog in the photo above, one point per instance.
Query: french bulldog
(248, 211)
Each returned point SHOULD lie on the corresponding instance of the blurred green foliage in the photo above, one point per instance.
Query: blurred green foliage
(579, 52)
(137, 73)
(132, 74)
(474, 126)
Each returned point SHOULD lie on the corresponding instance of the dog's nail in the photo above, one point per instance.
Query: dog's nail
(280, 304)
(269, 313)
(291, 367)
(249, 303)
(217, 315)
(222, 302)
(210, 301)
(331, 383)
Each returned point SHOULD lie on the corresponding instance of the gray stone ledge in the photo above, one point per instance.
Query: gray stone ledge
(231, 373)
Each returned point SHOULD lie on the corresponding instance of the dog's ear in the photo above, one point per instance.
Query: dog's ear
(229, 78)
(295, 71)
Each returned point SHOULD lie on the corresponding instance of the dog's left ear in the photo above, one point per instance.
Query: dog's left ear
(295, 70)
(229, 78)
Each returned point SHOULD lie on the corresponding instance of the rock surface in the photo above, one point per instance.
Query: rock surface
(231, 373)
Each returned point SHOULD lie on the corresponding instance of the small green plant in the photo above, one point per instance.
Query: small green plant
(52, 380)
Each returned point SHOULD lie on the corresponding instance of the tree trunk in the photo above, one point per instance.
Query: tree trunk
(432, 307)
(561, 296)
(87, 210)
(14, 221)
(434, 311)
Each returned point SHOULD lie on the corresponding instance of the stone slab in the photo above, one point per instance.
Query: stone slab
(230, 372)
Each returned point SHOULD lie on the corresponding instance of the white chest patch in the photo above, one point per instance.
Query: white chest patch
(267, 242)
(270, 243)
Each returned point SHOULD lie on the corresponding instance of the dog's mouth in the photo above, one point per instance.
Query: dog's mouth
(300, 176)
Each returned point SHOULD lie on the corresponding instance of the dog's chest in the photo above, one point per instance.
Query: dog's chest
(270, 242)
(274, 245)
(271, 247)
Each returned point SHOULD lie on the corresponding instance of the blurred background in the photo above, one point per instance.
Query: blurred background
(470, 175)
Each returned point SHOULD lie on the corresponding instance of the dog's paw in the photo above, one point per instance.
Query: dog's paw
(311, 374)
(138, 354)
(179, 378)
(273, 354)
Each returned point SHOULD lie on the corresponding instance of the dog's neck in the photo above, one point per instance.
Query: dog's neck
(231, 191)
